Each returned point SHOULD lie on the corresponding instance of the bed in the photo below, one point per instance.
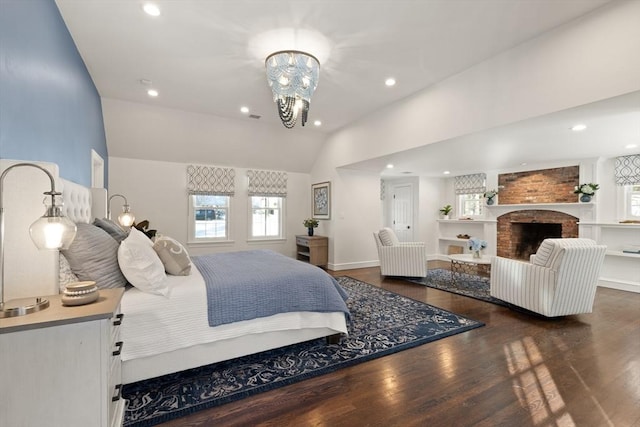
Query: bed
(168, 333)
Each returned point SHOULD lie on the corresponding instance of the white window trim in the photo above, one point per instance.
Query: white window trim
(192, 240)
(460, 211)
(283, 232)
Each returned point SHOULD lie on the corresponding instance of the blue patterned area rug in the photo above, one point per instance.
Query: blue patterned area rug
(468, 285)
(382, 323)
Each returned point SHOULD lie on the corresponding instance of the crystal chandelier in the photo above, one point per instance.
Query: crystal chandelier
(293, 77)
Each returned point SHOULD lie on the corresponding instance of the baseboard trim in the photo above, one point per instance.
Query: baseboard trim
(621, 285)
(353, 265)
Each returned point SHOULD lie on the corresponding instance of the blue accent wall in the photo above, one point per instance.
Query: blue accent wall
(49, 107)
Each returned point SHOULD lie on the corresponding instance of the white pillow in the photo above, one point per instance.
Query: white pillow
(141, 265)
(173, 255)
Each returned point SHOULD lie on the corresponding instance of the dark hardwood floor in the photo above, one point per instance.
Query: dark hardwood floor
(518, 370)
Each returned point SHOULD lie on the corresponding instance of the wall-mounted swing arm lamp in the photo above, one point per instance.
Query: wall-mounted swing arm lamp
(52, 231)
(126, 218)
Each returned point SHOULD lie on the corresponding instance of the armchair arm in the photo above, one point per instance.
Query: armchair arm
(403, 260)
(523, 284)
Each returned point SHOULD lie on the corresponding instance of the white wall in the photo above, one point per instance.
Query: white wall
(157, 191)
(591, 59)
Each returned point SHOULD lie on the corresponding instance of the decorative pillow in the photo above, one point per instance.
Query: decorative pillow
(173, 255)
(93, 255)
(66, 275)
(112, 228)
(141, 265)
(388, 237)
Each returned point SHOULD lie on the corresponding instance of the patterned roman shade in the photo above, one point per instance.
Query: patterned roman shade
(628, 170)
(470, 184)
(211, 181)
(267, 183)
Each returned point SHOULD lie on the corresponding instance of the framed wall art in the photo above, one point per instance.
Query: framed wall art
(321, 200)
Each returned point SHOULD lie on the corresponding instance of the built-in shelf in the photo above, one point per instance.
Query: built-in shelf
(623, 254)
(611, 224)
(471, 221)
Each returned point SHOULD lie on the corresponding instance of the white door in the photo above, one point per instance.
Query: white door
(402, 212)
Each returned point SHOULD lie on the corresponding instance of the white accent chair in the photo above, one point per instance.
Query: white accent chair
(406, 259)
(561, 278)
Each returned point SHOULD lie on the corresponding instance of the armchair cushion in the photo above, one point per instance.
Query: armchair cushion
(388, 237)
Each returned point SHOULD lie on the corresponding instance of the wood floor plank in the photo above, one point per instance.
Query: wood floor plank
(518, 370)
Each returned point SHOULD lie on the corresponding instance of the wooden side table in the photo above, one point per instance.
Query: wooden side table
(313, 249)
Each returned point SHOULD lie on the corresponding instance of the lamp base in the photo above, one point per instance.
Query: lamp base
(20, 307)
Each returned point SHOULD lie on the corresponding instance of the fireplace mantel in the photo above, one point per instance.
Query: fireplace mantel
(583, 211)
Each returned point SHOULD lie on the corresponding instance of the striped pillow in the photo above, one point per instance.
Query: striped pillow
(388, 237)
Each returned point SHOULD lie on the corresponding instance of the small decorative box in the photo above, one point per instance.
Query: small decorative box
(80, 293)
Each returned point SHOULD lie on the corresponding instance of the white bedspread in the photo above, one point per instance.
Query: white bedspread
(154, 324)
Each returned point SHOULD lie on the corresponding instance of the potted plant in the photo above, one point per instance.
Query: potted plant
(586, 191)
(445, 211)
(489, 195)
(310, 223)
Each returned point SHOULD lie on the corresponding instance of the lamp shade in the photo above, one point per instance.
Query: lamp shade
(126, 218)
(52, 232)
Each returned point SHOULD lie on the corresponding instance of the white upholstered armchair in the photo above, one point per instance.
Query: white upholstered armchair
(560, 280)
(407, 259)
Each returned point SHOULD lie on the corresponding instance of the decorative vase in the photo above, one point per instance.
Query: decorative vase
(476, 254)
(310, 231)
(585, 198)
(490, 201)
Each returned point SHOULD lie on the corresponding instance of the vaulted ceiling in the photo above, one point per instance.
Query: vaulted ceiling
(208, 56)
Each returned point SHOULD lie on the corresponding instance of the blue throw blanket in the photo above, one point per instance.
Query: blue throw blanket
(250, 284)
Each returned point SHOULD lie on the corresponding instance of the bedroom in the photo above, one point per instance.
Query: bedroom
(353, 190)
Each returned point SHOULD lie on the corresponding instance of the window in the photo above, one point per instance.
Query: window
(632, 201)
(470, 205)
(209, 217)
(266, 217)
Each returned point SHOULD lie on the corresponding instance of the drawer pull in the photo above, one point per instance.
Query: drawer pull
(118, 348)
(118, 320)
(117, 393)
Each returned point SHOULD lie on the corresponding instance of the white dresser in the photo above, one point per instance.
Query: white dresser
(61, 366)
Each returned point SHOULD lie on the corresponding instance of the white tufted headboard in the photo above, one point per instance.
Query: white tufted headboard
(82, 204)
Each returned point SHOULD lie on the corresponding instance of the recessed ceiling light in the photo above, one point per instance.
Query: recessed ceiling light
(523, 164)
(446, 172)
(390, 166)
(151, 9)
(152, 92)
(244, 110)
(579, 127)
(390, 81)
(317, 123)
(630, 146)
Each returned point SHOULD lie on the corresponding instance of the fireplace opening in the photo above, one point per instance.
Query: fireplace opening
(527, 236)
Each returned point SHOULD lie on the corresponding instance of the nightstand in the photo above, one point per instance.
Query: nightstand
(61, 366)
(313, 249)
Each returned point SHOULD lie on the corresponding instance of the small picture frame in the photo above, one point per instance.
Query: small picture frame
(321, 200)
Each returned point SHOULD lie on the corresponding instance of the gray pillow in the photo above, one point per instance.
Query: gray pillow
(112, 228)
(93, 255)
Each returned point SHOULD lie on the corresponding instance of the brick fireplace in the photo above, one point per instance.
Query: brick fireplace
(521, 232)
